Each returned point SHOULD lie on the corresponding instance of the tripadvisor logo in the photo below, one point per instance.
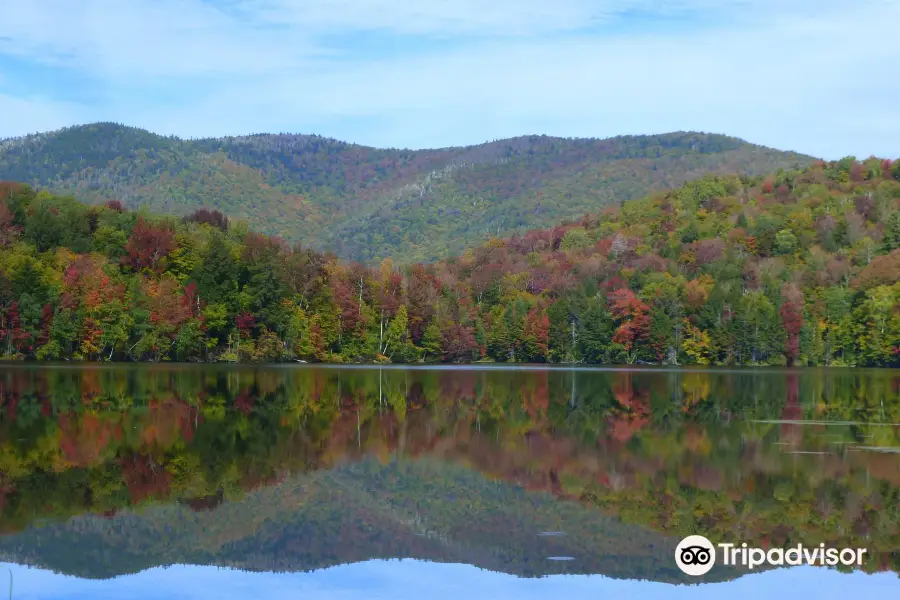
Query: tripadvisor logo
(695, 555)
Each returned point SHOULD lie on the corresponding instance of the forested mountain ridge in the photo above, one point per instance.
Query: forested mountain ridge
(367, 203)
(801, 267)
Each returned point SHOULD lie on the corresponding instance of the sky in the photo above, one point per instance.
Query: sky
(413, 580)
(816, 76)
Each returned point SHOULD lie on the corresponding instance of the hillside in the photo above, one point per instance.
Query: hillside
(801, 267)
(367, 203)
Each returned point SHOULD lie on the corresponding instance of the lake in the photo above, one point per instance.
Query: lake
(178, 481)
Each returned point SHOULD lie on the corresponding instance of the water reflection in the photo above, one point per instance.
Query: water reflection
(414, 580)
(298, 469)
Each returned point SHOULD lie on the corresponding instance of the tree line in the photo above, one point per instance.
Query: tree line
(801, 267)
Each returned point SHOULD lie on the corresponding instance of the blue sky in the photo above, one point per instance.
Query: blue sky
(817, 76)
(413, 580)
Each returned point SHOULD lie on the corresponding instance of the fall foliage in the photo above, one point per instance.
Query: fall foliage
(797, 268)
(365, 203)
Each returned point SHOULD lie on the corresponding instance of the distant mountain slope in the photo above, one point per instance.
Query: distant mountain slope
(418, 509)
(368, 203)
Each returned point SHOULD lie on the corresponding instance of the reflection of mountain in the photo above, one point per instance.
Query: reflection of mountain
(278, 466)
(422, 509)
(419, 509)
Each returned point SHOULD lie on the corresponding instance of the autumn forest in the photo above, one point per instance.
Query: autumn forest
(801, 267)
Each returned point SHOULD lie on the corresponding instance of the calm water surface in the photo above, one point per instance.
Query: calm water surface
(333, 482)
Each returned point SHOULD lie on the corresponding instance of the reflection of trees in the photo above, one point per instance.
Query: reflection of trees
(585, 413)
(792, 433)
(680, 451)
(632, 410)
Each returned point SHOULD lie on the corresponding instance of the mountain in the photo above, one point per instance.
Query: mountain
(368, 203)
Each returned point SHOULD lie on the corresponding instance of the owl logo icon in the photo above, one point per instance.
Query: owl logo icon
(695, 555)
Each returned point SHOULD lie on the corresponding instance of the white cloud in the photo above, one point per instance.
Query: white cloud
(788, 84)
(169, 38)
(498, 17)
(808, 75)
(133, 39)
(436, 17)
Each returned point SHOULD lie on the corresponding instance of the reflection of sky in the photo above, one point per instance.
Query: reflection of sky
(411, 579)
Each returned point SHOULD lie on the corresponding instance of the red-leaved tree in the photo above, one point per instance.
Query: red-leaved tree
(458, 342)
(792, 319)
(633, 318)
(148, 245)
